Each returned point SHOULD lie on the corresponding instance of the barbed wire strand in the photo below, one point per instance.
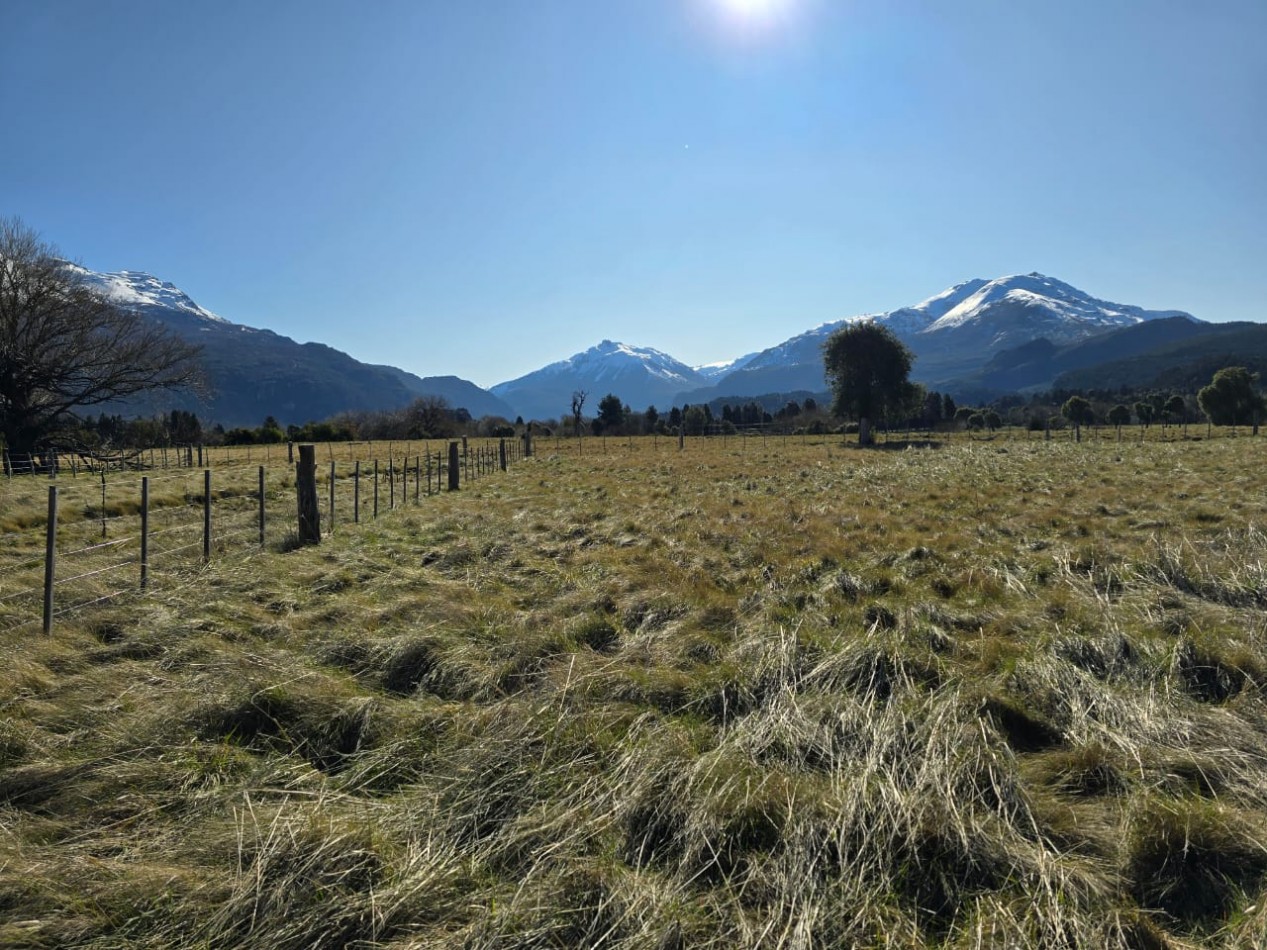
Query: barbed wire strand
(101, 570)
(89, 603)
(24, 592)
(98, 547)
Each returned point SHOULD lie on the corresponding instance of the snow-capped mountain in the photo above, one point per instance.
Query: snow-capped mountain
(252, 373)
(640, 375)
(137, 290)
(1071, 312)
(953, 333)
(720, 369)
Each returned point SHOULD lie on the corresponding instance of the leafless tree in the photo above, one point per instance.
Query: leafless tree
(429, 417)
(578, 403)
(64, 347)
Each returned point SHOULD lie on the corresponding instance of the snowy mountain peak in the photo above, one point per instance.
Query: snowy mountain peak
(132, 289)
(639, 375)
(1035, 291)
(610, 359)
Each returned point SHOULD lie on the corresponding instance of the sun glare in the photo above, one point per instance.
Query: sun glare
(751, 8)
(753, 18)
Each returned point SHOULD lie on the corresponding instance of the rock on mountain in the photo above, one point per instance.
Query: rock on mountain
(953, 334)
(253, 373)
(638, 375)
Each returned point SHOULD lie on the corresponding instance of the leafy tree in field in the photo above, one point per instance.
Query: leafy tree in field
(64, 347)
(694, 420)
(1078, 411)
(650, 417)
(675, 418)
(932, 408)
(963, 414)
(948, 407)
(1119, 416)
(270, 432)
(611, 414)
(1231, 398)
(993, 420)
(184, 427)
(1177, 408)
(868, 368)
(1144, 413)
(976, 420)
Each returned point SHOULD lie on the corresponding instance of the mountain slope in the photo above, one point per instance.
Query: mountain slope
(1183, 365)
(640, 376)
(1036, 364)
(254, 373)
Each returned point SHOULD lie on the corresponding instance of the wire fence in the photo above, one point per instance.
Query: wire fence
(110, 536)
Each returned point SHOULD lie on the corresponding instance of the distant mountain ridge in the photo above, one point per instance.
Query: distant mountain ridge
(979, 338)
(953, 334)
(253, 373)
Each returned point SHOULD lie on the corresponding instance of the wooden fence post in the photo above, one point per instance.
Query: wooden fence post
(206, 514)
(145, 531)
(50, 558)
(375, 488)
(332, 497)
(306, 494)
(261, 505)
(454, 471)
(501, 453)
(356, 493)
(391, 482)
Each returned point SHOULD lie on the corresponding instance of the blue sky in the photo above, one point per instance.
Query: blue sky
(479, 188)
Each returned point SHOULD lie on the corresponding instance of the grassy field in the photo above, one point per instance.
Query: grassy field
(997, 693)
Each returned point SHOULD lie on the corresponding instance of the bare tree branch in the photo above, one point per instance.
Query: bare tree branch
(64, 347)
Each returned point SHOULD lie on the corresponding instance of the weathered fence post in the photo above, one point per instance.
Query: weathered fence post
(527, 444)
(306, 495)
(454, 471)
(50, 558)
(145, 531)
(375, 488)
(501, 453)
(356, 493)
(681, 439)
(200, 455)
(103, 503)
(290, 453)
(391, 482)
(206, 514)
(417, 476)
(261, 506)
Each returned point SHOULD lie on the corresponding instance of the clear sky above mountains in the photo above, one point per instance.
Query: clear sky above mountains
(483, 188)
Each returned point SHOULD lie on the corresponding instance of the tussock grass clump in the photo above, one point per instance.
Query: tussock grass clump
(1193, 859)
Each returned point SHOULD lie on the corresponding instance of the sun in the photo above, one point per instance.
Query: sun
(752, 9)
